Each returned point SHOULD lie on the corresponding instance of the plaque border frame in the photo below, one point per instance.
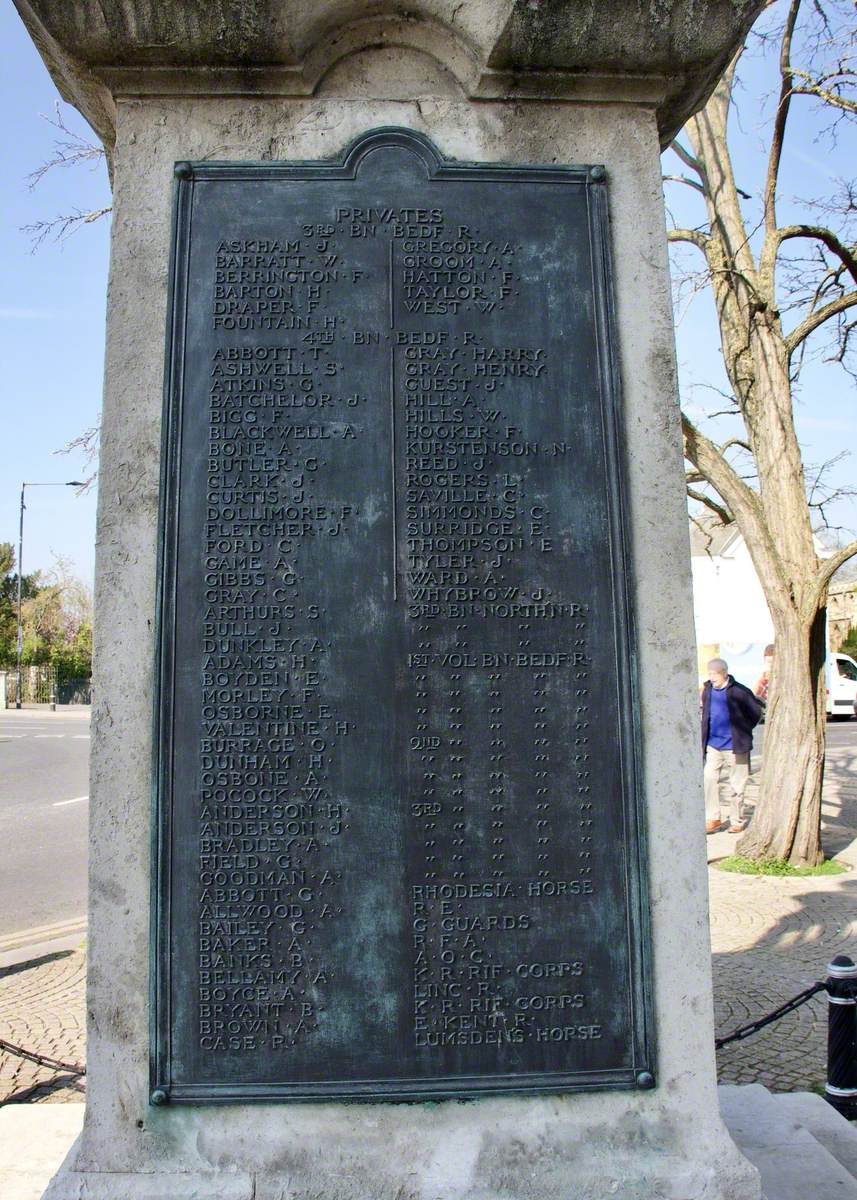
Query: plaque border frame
(642, 1072)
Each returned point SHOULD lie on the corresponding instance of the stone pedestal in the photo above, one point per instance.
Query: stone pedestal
(488, 81)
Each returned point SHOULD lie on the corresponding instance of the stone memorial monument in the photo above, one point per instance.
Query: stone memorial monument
(398, 882)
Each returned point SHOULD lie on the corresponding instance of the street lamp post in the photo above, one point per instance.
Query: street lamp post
(24, 486)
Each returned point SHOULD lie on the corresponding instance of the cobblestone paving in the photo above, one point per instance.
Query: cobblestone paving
(42, 1008)
(771, 937)
(769, 944)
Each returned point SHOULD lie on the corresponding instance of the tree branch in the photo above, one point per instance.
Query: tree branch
(691, 183)
(751, 286)
(727, 247)
(69, 151)
(812, 322)
(735, 441)
(831, 565)
(708, 460)
(62, 227)
(780, 118)
(688, 159)
(744, 504)
(813, 88)
(822, 234)
(688, 235)
(724, 514)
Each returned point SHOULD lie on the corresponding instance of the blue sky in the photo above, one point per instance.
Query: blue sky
(52, 308)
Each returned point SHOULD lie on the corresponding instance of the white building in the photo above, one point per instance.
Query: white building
(732, 617)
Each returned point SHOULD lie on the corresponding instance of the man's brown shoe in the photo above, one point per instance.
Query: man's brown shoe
(713, 826)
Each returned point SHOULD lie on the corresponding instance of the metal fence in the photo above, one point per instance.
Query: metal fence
(41, 685)
(74, 691)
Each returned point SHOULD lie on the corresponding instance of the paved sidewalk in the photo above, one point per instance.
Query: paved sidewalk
(771, 937)
(39, 712)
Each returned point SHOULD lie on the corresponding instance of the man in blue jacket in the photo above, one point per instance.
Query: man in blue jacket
(730, 713)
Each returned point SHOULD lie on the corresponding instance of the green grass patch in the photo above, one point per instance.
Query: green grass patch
(776, 866)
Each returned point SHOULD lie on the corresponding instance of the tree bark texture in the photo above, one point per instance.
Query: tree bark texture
(787, 821)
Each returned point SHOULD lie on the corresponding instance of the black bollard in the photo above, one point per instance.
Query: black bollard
(841, 1087)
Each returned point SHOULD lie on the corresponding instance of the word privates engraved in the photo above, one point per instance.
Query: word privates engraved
(400, 809)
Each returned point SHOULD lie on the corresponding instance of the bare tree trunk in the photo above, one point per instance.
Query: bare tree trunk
(787, 824)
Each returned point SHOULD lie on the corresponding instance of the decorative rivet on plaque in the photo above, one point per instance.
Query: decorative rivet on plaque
(645, 1079)
(597, 174)
(183, 170)
(159, 1097)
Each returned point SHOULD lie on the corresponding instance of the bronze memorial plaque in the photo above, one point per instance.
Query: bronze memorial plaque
(398, 848)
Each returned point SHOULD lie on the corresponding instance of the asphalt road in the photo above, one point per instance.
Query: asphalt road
(839, 733)
(842, 733)
(44, 785)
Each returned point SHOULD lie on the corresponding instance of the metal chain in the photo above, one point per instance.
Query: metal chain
(20, 1052)
(745, 1031)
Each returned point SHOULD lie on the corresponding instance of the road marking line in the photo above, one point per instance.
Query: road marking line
(80, 737)
(48, 735)
(8, 737)
(76, 800)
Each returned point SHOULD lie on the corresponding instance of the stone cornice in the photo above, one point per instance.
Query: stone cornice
(665, 53)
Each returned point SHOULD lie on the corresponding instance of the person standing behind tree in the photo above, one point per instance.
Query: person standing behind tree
(730, 713)
(764, 685)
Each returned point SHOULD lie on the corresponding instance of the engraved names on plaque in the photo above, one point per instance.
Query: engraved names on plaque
(398, 848)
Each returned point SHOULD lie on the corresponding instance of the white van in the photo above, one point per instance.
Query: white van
(841, 683)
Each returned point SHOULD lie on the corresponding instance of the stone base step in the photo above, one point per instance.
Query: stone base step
(825, 1124)
(803, 1148)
